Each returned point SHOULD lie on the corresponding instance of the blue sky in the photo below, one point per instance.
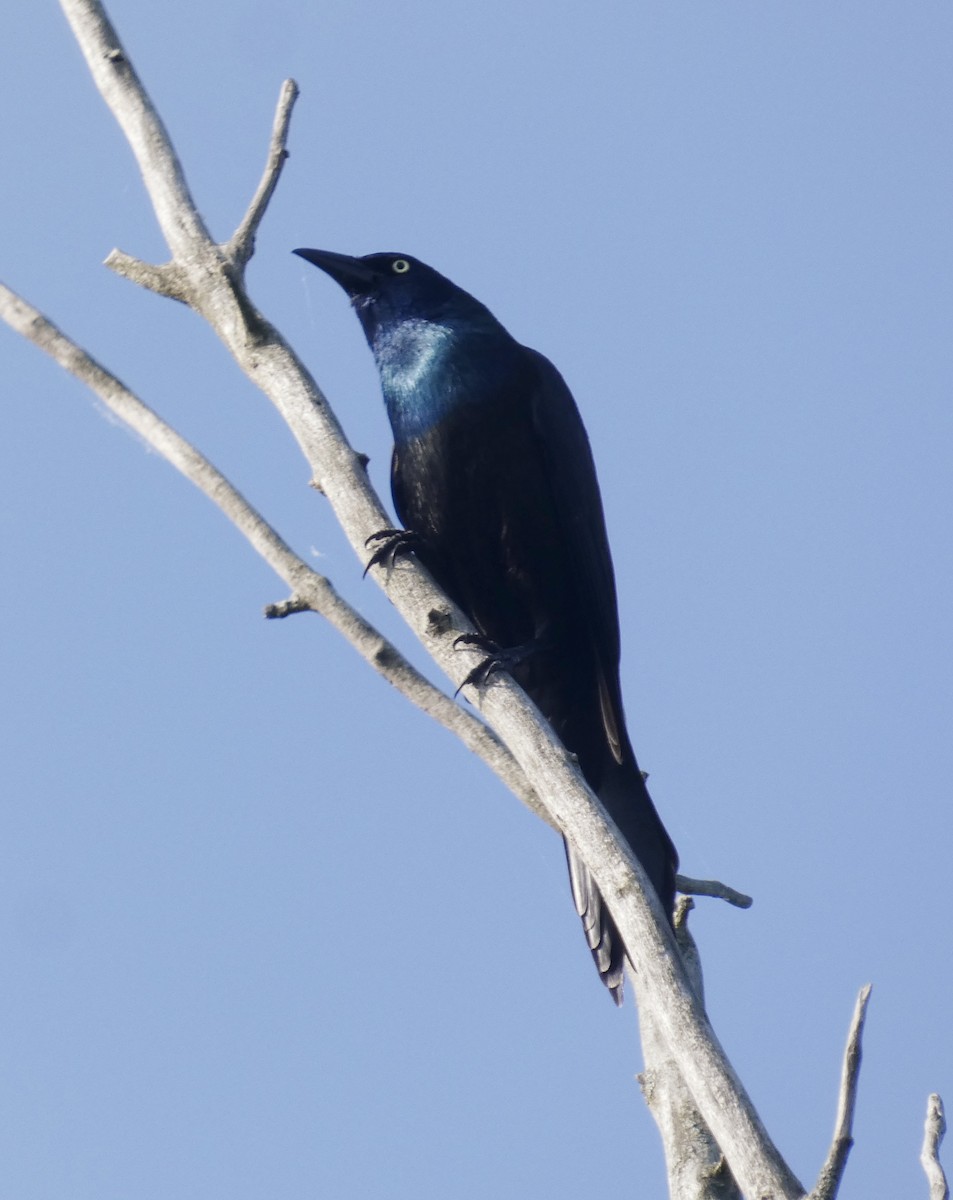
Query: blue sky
(266, 932)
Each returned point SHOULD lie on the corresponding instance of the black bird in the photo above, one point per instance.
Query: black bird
(493, 478)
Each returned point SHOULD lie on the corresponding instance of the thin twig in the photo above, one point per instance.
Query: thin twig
(832, 1172)
(242, 244)
(712, 887)
(933, 1132)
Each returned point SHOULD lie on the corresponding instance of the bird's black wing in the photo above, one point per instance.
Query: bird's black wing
(571, 472)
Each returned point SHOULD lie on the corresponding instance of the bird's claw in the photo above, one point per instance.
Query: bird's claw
(392, 543)
(476, 641)
(497, 659)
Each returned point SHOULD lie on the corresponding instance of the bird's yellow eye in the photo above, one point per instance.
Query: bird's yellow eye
(400, 266)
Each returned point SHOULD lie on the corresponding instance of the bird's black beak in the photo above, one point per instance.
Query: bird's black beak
(353, 274)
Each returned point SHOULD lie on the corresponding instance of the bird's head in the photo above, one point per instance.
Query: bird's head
(388, 289)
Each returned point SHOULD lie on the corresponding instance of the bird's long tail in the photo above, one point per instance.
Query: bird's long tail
(626, 799)
(608, 953)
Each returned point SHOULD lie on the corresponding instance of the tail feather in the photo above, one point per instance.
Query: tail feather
(608, 952)
(626, 798)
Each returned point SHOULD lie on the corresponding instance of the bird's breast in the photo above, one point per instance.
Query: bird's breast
(429, 370)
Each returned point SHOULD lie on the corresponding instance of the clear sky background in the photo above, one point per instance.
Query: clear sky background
(265, 931)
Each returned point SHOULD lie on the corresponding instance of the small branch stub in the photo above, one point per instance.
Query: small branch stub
(714, 888)
(933, 1133)
(165, 280)
(287, 608)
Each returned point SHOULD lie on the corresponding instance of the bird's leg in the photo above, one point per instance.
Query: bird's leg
(392, 543)
(497, 658)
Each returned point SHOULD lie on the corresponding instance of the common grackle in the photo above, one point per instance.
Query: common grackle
(493, 478)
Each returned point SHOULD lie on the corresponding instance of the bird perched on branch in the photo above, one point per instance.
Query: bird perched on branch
(494, 482)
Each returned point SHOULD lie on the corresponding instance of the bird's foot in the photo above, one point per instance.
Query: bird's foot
(392, 543)
(497, 658)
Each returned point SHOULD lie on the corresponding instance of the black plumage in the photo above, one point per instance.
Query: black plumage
(493, 475)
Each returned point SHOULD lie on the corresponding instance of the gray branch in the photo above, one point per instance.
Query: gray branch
(119, 85)
(933, 1132)
(312, 592)
(832, 1172)
(242, 245)
(204, 275)
(212, 288)
(697, 1169)
(166, 280)
(712, 887)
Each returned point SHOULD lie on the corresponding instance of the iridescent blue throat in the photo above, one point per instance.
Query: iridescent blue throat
(430, 368)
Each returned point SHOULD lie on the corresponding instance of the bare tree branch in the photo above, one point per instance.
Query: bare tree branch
(116, 79)
(832, 1172)
(697, 1169)
(242, 244)
(211, 287)
(312, 592)
(933, 1132)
